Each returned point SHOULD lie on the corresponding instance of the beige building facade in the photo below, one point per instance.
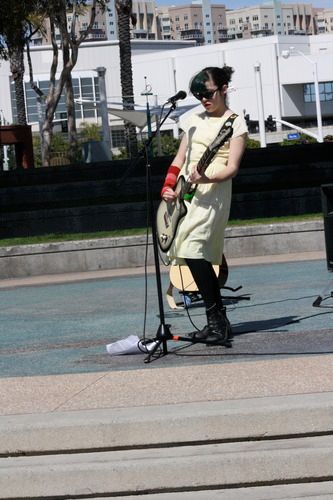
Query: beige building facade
(263, 20)
(203, 22)
(189, 23)
(325, 21)
(98, 32)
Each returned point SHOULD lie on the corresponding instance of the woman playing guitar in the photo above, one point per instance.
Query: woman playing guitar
(199, 236)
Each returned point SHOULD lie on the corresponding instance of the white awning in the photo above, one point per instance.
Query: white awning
(138, 118)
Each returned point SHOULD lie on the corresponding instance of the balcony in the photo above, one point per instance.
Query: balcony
(224, 36)
(193, 35)
(258, 32)
(95, 34)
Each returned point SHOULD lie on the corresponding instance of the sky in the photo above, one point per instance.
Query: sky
(237, 4)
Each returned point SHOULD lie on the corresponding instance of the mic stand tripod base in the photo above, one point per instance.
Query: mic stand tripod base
(207, 342)
(164, 334)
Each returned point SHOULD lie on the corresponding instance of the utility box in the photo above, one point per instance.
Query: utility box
(21, 137)
(327, 205)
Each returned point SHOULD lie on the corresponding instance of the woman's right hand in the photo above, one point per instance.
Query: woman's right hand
(169, 195)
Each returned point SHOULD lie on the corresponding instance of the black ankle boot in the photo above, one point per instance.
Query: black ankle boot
(201, 334)
(218, 325)
(207, 331)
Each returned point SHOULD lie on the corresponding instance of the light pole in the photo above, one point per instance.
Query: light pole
(260, 105)
(104, 109)
(286, 54)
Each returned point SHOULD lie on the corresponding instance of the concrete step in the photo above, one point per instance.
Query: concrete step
(161, 425)
(223, 449)
(300, 491)
(166, 469)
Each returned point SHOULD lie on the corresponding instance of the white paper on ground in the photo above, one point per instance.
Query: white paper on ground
(129, 345)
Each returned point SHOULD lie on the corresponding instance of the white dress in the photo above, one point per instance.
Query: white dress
(200, 234)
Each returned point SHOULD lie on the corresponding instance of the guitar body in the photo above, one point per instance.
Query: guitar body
(168, 216)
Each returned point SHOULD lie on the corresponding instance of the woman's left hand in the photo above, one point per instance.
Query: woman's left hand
(196, 178)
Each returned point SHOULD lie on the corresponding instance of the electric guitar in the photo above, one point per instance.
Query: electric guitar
(169, 214)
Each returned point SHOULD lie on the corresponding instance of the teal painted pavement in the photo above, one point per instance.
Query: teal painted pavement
(64, 328)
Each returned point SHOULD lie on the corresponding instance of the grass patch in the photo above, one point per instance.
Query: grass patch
(54, 238)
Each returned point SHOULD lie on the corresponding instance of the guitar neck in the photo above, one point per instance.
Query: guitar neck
(207, 157)
(212, 150)
(205, 160)
(201, 167)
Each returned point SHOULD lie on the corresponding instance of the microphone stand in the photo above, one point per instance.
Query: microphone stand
(163, 332)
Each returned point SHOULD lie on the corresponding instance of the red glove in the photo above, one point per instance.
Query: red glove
(171, 178)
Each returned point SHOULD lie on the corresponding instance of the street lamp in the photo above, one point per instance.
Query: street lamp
(104, 109)
(286, 54)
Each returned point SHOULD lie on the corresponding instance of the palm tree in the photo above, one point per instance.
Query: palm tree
(13, 31)
(124, 13)
(16, 61)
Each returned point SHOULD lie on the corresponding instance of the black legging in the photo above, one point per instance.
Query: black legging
(206, 281)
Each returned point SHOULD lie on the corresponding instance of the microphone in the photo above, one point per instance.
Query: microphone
(180, 95)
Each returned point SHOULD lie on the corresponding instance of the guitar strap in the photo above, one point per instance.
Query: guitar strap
(228, 123)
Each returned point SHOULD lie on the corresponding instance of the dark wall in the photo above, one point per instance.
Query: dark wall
(271, 182)
(278, 181)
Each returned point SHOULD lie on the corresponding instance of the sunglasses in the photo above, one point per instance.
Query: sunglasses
(208, 94)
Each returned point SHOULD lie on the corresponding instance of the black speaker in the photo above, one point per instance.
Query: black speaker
(327, 204)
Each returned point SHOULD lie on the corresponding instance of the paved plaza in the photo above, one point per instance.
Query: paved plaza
(63, 328)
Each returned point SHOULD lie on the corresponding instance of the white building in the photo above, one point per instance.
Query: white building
(287, 84)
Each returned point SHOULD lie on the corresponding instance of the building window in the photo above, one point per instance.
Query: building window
(84, 88)
(325, 92)
(118, 138)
